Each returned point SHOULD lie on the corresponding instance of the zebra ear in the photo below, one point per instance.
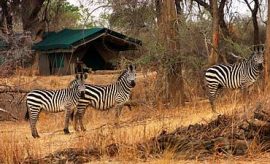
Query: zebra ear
(77, 76)
(85, 75)
(130, 67)
(262, 48)
(258, 48)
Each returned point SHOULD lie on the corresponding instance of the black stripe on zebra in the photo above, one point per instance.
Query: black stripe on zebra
(239, 75)
(107, 96)
(54, 101)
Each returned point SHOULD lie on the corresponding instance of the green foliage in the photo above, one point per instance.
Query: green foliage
(132, 16)
(61, 14)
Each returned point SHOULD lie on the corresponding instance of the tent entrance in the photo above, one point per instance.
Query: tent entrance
(93, 60)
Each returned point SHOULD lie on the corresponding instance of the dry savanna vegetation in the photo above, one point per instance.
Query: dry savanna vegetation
(147, 133)
(174, 42)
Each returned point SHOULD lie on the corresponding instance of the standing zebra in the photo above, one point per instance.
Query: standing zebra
(240, 75)
(54, 101)
(108, 96)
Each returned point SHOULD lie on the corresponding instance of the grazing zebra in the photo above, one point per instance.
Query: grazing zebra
(107, 96)
(54, 101)
(239, 75)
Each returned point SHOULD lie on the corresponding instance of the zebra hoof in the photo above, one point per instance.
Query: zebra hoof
(35, 136)
(117, 125)
(66, 131)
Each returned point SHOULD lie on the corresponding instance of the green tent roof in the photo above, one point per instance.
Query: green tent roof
(67, 38)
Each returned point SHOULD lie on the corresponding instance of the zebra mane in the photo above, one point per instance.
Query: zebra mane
(251, 56)
(122, 74)
(72, 83)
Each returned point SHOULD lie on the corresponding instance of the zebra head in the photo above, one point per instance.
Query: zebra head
(129, 76)
(258, 57)
(79, 83)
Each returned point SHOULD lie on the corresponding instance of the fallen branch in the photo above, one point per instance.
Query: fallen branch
(6, 116)
(10, 89)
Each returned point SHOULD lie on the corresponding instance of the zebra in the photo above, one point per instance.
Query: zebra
(108, 96)
(54, 101)
(240, 75)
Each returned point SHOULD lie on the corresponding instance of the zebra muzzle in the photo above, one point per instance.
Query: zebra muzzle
(260, 67)
(82, 94)
(133, 83)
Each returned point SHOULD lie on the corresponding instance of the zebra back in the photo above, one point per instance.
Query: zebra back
(105, 97)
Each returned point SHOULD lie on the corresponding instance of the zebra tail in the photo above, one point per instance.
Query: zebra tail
(26, 117)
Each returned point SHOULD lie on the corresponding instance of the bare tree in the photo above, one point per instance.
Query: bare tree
(254, 12)
(208, 7)
(30, 19)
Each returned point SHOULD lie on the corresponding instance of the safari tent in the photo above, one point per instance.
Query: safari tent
(97, 48)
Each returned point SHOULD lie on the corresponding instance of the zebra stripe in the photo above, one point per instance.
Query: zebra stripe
(240, 75)
(108, 96)
(54, 101)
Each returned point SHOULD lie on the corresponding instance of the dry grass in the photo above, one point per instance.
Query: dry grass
(138, 125)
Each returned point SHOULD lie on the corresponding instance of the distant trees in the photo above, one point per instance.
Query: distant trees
(26, 10)
(59, 14)
(36, 15)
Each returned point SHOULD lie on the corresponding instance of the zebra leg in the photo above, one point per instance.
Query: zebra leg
(118, 111)
(213, 92)
(128, 105)
(117, 114)
(245, 92)
(68, 113)
(81, 115)
(76, 121)
(79, 118)
(33, 115)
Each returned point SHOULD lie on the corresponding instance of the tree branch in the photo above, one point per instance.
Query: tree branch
(204, 4)
(248, 6)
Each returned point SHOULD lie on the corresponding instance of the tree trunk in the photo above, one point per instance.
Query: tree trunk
(267, 51)
(178, 7)
(256, 38)
(213, 58)
(30, 19)
(222, 23)
(254, 11)
(170, 73)
(6, 23)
